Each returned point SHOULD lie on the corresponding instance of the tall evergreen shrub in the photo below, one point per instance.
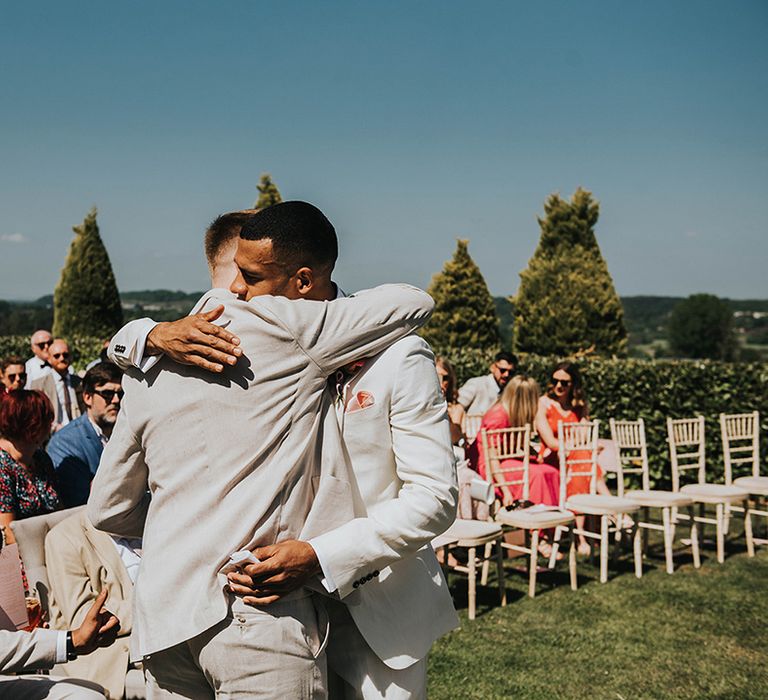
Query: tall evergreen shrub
(566, 302)
(268, 192)
(86, 300)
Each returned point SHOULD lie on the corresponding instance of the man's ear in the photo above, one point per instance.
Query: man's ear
(305, 281)
(87, 399)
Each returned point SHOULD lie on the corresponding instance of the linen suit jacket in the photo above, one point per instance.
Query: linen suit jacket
(243, 459)
(478, 394)
(75, 451)
(395, 428)
(27, 651)
(47, 384)
(81, 561)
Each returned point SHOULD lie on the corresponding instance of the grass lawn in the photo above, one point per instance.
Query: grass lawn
(696, 634)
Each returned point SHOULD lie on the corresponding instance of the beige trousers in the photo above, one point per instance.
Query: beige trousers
(357, 673)
(274, 652)
(48, 688)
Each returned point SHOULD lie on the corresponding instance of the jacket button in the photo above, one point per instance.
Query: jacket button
(355, 584)
(376, 573)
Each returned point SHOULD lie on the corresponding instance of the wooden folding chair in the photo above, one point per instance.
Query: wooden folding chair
(688, 434)
(741, 446)
(469, 535)
(470, 426)
(515, 443)
(629, 436)
(575, 438)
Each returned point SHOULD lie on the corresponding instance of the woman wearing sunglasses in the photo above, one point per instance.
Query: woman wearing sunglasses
(565, 401)
(27, 480)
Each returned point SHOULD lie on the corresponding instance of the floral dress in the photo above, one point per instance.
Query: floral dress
(27, 492)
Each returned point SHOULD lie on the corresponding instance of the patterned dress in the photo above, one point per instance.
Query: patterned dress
(27, 492)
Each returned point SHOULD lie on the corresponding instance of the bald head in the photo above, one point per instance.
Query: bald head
(59, 356)
(40, 343)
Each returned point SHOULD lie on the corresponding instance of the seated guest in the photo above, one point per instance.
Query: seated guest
(13, 374)
(59, 384)
(27, 479)
(37, 365)
(27, 652)
(517, 408)
(478, 394)
(76, 448)
(81, 561)
(447, 378)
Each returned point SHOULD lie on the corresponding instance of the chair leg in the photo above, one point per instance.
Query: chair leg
(668, 539)
(702, 513)
(500, 574)
(533, 563)
(486, 563)
(637, 541)
(572, 562)
(748, 529)
(694, 539)
(646, 531)
(472, 566)
(726, 519)
(603, 548)
(719, 518)
(555, 546)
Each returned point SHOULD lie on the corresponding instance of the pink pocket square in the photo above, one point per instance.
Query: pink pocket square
(361, 400)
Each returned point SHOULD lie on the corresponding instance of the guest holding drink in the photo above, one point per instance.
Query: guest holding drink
(27, 479)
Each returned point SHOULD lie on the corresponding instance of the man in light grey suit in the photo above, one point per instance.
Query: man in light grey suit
(233, 462)
(393, 416)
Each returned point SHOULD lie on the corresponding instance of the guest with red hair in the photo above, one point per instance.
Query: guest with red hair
(27, 479)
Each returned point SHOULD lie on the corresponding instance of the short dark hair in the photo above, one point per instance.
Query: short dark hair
(103, 373)
(13, 360)
(506, 357)
(222, 230)
(24, 414)
(301, 234)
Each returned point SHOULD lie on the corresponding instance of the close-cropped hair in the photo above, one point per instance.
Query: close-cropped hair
(520, 399)
(223, 229)
(103, 373)
(505, 356)
(576, 396)
(451, 391)
(301, 235)
(24, 414)
(8, 361)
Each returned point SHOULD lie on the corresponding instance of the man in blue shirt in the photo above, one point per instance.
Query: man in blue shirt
(76, 448)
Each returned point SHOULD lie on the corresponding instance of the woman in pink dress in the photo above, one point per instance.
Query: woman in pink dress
(515, 408)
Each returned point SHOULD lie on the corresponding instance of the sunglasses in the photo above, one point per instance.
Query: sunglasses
(443, 378)
(109, 394)
(14, 377)
(505, 370)
(562, 382)
(44, 344)
(519, 503)
(61, 356)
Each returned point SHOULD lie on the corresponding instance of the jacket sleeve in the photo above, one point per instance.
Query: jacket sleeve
(426, 504)
(73, 594)
(335, 333)
(467, 393)
(27, 651)
(119, 497)
(126, 349)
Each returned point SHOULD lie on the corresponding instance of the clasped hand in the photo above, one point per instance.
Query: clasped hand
(282, 568)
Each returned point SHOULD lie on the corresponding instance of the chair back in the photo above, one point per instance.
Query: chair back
(503, 444)
(629, 436)
(30, 536)
(686, 448)
(577, 451)
(741, 442)
(470, 425)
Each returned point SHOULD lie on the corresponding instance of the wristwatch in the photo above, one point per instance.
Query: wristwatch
(71, 652)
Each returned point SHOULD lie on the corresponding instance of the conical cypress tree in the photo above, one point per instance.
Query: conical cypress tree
(86, 300)
(465, 315)
(268, 192)
(567, 302)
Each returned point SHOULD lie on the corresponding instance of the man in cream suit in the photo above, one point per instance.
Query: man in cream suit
(82, 560)
(233, 462)
(393, 419)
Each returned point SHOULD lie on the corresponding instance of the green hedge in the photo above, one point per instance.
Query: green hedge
(652, 390)
(84, 349)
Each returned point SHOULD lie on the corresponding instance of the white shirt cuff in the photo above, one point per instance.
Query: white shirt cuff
(61, 648)
(327, 580)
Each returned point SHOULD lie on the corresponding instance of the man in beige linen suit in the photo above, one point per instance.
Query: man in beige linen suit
(233, 462)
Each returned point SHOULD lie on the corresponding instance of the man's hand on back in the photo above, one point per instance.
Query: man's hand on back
(282, 568)
(195, 340)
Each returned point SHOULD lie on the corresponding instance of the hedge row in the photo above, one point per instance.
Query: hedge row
(622, 389)
(629, 389)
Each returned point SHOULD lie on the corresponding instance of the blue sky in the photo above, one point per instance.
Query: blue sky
(409, 123)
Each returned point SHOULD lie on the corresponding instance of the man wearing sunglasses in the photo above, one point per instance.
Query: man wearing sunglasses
(480, 393)
(13, 374)
(60, 384)
(37, 365)
(76, 449)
